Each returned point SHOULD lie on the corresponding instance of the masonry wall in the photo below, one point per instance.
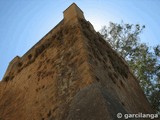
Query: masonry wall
(113, 73)
(70, 74)
(19, 63)
(45, 83)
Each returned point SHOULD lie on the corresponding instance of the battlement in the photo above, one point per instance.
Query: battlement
(73, 12)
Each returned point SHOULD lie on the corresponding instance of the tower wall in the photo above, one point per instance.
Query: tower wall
(70, 74)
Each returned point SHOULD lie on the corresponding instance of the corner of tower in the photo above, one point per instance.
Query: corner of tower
(73, 12)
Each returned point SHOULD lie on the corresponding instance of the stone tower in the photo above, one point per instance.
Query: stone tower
(72, 73)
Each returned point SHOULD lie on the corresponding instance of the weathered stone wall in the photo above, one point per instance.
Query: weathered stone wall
(113, 73)
(71, 74)
(31, 55)
(72, 13)
(47, 82)
(19, 63)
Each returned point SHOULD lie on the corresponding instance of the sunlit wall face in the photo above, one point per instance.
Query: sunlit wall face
(24, 22)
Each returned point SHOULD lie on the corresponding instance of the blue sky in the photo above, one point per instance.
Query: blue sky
(25, 22)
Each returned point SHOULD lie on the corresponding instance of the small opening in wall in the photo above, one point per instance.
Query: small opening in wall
(97, 79)
(20, 64)
(6, 78)
(29, 56)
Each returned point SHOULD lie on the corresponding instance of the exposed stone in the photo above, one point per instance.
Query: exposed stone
(71, 74)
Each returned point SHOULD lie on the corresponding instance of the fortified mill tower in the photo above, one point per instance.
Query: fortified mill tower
(72, 73)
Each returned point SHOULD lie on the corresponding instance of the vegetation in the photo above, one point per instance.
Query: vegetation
(142, 59)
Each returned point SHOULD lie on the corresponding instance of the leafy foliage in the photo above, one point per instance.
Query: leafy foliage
(142, 59)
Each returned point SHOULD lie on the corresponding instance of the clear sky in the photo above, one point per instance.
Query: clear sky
(25, 22)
